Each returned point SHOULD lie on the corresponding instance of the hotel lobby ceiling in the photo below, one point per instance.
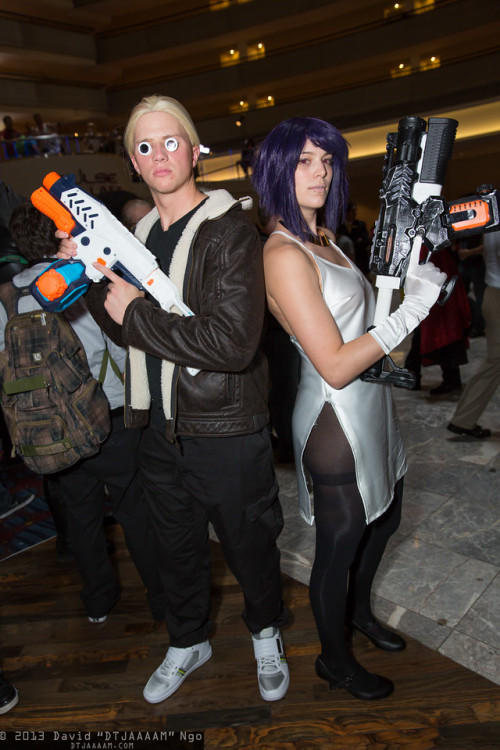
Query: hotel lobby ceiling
(81, 60)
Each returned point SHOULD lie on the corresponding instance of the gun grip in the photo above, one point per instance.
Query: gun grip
(51, 207)
(438, 147)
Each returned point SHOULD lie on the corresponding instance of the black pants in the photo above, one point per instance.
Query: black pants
(348, 551)
(116, 468)
(284, 368)
(229, 482)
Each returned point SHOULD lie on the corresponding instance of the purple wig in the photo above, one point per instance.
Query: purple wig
(276, 162)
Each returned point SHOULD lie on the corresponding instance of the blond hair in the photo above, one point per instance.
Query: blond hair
(158, 103)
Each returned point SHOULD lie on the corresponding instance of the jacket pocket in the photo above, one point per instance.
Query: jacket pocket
(208, 393)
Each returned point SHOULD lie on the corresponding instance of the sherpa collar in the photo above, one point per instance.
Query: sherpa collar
(219, 202)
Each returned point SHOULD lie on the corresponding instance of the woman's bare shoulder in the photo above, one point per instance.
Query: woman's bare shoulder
(288, 264)
(281, 246)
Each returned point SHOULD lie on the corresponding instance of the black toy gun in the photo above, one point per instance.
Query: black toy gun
(101, 239)
(412, 214)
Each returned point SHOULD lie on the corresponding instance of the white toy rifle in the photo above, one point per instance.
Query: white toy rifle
(101, 239)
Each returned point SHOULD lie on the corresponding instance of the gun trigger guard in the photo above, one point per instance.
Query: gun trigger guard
(397, 376)
(447, 290)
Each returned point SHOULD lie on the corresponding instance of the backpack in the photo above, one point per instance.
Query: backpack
(55, 410)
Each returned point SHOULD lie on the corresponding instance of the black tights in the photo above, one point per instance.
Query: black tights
(348, 552)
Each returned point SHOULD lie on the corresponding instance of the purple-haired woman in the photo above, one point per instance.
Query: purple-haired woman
(345, 430)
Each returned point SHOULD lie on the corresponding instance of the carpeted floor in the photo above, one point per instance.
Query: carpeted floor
(30, 525)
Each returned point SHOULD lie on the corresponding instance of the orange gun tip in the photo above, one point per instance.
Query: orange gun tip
(50, 179)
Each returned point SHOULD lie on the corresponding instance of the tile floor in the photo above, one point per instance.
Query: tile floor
(439, 581)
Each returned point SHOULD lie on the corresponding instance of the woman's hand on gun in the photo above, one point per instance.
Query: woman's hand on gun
(423, 284)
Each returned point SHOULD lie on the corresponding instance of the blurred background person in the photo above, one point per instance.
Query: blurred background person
(484, 383)
(9, 135)
(472, 269)
(357, 232)
(441, 338)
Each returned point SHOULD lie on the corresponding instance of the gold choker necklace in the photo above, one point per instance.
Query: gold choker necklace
(318, 239)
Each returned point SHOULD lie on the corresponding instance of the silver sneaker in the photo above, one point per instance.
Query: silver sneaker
(177, 665)
(272, 667)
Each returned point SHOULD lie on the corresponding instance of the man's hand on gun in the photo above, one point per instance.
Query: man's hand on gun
(67, 247)
(120, 292)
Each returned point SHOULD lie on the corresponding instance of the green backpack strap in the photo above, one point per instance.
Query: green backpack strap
(35, 383)
(108, 359)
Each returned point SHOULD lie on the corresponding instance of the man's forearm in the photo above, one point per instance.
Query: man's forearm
(95, 302)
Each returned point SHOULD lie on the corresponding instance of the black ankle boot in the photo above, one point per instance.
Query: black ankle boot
(451, 382)
(380, 637)
(360, 683)
(444, 388)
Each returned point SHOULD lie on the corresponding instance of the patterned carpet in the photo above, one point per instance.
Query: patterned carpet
(30, 525)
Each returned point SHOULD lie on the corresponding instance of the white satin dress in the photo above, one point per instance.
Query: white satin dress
(365, 411)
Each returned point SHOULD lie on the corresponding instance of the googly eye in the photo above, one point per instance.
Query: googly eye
(171, 144)
(144, 148)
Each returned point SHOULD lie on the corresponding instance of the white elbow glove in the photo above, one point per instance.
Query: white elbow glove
(422, 288)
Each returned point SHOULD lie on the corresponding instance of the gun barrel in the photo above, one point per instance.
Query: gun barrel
(409, 136)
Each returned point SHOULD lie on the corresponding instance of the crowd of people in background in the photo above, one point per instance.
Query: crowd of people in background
(41, 138)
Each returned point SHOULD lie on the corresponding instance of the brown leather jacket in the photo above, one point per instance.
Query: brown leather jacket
(217, 266)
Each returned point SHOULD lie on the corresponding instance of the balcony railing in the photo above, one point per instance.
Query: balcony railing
(212, 167)
(55, 144)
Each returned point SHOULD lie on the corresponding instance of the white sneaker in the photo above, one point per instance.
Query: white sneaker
(272, 667)
(178, 663)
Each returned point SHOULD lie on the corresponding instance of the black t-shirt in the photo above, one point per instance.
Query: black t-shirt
(162, 244)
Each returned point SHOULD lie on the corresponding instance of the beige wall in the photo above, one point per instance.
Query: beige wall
(94, 173)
